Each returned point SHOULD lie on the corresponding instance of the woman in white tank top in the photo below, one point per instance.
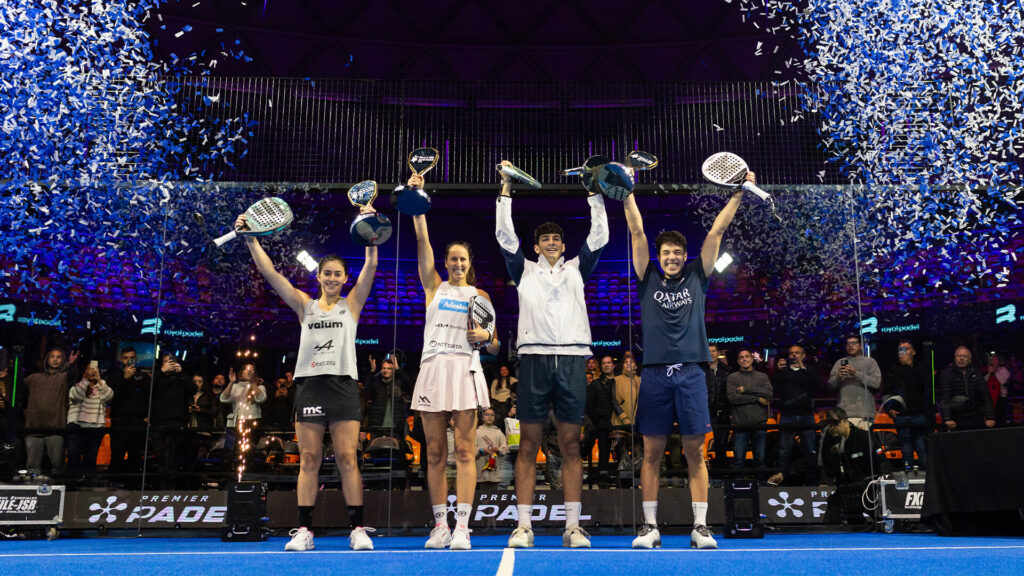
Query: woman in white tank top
(331, 276)
(451, 381)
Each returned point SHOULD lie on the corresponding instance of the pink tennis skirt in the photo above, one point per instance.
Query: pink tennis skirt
(447, 383)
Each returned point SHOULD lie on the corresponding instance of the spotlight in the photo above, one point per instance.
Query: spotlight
(723, 262)
(252, 337)
(306, 260)
(239, 353)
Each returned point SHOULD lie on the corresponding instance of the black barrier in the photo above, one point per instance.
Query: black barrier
(411, 509)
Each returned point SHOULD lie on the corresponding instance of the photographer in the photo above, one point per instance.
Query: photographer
(851, 456)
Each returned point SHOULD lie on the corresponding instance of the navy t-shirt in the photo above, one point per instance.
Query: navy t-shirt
(672, 315)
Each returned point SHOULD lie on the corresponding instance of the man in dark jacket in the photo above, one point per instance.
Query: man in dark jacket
(795, 385)
(128, 411)
(384, 396)
(716, 376)
(749, 391)
(172, 395)
(601, 405)
(963, 395)
(852, 457)
(910, 405)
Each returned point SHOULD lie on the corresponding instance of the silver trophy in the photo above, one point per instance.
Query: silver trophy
(519, 175)
(409, 199)
(368, 229)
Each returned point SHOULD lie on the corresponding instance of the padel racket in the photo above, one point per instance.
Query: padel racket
(481, 314)
(263, 218)
(730, 171)
(518, 175)
(639, 160)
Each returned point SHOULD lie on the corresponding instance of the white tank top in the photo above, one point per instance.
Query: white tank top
(328, 342)
(447, 319)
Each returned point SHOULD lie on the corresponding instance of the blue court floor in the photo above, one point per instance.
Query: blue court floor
(817, 554)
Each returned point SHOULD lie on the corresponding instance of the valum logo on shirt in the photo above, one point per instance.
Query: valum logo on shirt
(673, 300)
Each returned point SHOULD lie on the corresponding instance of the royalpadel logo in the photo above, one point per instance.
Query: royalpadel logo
(787, 505)
(106, 511)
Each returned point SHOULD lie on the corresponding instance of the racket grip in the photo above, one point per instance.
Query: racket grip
(226, 238)
(751, 187)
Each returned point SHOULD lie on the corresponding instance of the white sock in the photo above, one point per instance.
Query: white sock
(525, 510)
(462, 515)
(700, 513)
(572, 513)
(651, 512)
(440, 515)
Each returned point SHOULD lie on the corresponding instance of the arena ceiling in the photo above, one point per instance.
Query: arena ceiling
(527, 40)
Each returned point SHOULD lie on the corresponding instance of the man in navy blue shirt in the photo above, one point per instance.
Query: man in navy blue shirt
(673, 387)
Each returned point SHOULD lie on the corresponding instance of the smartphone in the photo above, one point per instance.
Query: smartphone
(844, 362)
(94, 364)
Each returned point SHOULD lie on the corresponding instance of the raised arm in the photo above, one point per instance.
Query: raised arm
(641, 255)
(356, 299)
(505, 232)
(292, 296)
(597, 239)
(709, 251)
(429, 277)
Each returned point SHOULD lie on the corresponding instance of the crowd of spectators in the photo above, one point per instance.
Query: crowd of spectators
(180, 415)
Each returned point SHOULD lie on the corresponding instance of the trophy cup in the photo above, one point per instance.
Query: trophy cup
(411, 200)
(368, 229)
(616, 180)
(518, 174)
(586, 171)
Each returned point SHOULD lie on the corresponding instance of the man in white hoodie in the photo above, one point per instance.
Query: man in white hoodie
(553, 345)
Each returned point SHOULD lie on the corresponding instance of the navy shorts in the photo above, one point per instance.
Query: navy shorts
(326, 399)
(548, 381)
(671, 394)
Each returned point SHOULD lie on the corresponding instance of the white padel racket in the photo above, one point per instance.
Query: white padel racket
(263, 218)
(730, 171)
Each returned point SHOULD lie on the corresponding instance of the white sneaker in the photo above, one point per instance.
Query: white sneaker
(358, 540)
(649, 537)
(575, 537)
(302, 539)
(460, 538)
(701, 538)
(440, 537)
(522, 537)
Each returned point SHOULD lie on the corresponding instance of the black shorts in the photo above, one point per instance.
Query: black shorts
(327, 399)
(549, 381)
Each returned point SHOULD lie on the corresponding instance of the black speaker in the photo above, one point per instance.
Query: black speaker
(742, 510)
(246, 519)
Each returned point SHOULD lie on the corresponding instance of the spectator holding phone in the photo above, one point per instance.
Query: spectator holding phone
(87, 418)
(857, 377)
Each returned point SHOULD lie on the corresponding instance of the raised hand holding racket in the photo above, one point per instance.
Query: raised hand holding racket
(730, 171)
(263, 218)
